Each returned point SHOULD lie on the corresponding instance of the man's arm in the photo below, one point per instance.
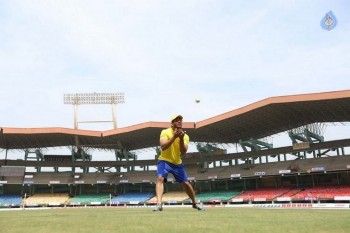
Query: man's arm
(183, 146)
(166, 143)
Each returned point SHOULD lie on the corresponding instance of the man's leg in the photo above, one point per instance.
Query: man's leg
(181, 176)
(159, 189)
(190, 192)
(159, 193)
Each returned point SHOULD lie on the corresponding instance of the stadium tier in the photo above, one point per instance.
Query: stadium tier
(300, 179)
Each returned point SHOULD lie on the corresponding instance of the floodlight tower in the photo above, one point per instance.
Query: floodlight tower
(94, 98)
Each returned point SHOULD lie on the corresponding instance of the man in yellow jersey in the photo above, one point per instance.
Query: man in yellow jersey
(174, 145)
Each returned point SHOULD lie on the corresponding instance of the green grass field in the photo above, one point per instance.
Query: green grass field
(130, 220)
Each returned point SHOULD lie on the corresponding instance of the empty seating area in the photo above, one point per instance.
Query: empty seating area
(132, 198)
(171, 197)
(320, 193)
(46, 199)
(324, 192)
(90, 199)
(287, 196)
(7, 200)
(262, 194)
(218, 196)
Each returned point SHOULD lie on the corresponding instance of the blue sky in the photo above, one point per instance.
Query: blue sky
(163, 55)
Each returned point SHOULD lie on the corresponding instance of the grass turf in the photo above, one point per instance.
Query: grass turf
(130, 220)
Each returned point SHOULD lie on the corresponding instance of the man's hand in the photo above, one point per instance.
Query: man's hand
(179, 133)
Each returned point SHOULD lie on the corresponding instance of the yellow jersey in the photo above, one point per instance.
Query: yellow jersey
(173, 153)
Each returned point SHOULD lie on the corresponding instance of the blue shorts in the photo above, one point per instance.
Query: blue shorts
(178, 171)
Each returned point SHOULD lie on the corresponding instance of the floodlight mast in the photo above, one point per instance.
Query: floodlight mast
(94, 98)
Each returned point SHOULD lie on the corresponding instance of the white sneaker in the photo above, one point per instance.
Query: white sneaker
(198, 206)
(158, 208)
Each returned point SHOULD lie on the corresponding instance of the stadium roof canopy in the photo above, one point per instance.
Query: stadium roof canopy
(257, 120)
